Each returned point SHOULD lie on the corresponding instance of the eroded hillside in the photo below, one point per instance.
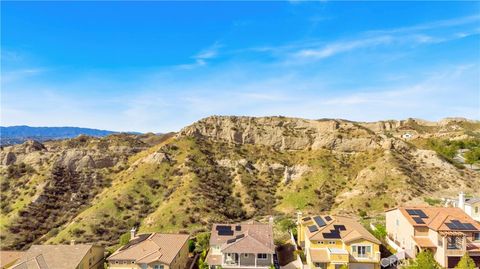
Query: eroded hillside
(223, 169)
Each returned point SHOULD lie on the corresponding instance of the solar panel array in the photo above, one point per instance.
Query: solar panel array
(459, 226)
(312, 228)
(418, 220)
(417, 212)
(238, 228)
(335, 233)
(224, 230)
(320, 222)
(328, 218)
(306, 218)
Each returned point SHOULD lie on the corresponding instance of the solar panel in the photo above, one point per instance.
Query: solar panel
(223, 227)
(312, 228)
(421, 214)
(306, 218)
(332, 235)
(229, 241)
(339, 227)
(238, 228)
(469, 226)
(451, 226)
(411, 212)
(328, 218)
(225, 232)
(320, 222)
(418, 220)
(240, 236)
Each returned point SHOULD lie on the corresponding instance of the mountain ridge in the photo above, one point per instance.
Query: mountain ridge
(224, 168)
(20, 133)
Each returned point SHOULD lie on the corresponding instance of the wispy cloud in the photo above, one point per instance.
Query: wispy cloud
(201, 58)
(172, 97)
(404, 36)
(20, 74)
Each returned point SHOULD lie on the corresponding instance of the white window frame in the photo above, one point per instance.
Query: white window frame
(367, 251)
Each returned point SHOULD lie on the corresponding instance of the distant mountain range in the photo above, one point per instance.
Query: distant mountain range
(19, 134)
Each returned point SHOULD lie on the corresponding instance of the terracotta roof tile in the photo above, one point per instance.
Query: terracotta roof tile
(53, 256)
(353, 229)
(156, 247)
(250, 238)
(437, 217)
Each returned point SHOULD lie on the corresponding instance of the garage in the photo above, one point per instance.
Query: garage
(452, 261)
(476, 259)
(362, 266)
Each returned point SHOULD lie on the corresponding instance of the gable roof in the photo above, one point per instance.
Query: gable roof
(440, 218)
(472, 201)
(244, 238)
(53, 256)
(351, 230)
(147, 248)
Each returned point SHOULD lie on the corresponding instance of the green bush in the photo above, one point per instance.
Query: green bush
(466, 263)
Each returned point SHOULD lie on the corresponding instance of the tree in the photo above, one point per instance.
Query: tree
(472, 156)
(424, 260)
(344, 266)
(286, 224)
(465, 263)
(124, 238)
(202, 242)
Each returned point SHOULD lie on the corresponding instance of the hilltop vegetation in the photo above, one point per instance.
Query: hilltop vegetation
(224, 169)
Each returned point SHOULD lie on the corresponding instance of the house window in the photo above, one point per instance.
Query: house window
(321, 265)
(361, 251)
(476, 236)
(262, 256)
(454, 242)
(158, 267)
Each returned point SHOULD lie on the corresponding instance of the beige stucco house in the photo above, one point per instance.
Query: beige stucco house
(152, 251)
(471, 205)
(243, 245)
(80, 256)
(447, 232)
(330, 242)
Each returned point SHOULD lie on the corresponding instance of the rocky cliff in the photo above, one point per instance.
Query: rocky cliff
(226, 169)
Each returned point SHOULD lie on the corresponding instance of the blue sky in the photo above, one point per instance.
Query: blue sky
(158, 66)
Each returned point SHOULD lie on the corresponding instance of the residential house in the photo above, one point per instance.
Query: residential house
(243, 245)
(447, 232)
(329, 242)
(471, 205)
(8, 258)
(152, 251)
(74, 256)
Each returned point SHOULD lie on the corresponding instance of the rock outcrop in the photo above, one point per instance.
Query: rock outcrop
(285, 133)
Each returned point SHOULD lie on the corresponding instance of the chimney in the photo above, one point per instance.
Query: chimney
(133, 233)
(461, 200)
(299, 216)
(72, 242)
